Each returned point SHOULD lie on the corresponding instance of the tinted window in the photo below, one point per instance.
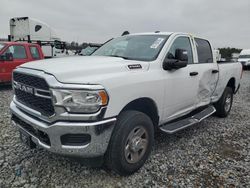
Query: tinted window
(204, 51)
(17, 51)
(181, 43)
(37, 28)
(34, 52)
(135, 47)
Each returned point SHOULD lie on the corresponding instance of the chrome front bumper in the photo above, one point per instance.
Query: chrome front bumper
(100, 132)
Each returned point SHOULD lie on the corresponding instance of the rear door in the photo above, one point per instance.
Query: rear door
(35, 52)
(208, 72)
(19, 57)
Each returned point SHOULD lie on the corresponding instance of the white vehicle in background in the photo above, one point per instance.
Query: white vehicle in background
(244, 58)
(63, 53)
(235, 57)
(217, 55)
(23, 27)
(33, 30)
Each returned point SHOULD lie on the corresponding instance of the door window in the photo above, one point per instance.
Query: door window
(184, 44)
(204, 51)
(34, 52)
(17, 51)
(37, 28)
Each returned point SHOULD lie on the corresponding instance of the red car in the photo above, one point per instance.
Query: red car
(13, 54)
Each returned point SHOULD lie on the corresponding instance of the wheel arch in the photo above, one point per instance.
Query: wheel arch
(145, 105)
(231, 83)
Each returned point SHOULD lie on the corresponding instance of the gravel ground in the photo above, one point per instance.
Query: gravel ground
(214, 153)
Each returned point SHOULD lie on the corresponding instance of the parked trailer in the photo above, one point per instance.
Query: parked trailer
(34, 31)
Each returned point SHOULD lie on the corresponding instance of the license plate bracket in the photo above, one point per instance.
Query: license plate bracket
(26, 139)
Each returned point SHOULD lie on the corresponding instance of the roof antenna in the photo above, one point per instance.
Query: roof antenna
(157, 31)
(125, 33)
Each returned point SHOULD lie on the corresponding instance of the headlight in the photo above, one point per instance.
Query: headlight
(79, 101)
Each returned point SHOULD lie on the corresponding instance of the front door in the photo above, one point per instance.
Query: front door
(19, 57)
(181, 85)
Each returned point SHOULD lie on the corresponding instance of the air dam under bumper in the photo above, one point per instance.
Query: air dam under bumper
(100, 133)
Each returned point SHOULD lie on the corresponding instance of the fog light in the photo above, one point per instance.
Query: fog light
(75, 139)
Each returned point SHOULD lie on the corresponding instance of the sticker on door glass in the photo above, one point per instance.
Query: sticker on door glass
(157, 43)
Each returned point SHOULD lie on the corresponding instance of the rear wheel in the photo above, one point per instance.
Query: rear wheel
(224, 105)
(131, 143)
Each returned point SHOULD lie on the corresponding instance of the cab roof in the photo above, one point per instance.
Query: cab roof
(163, 33)
(153, 33)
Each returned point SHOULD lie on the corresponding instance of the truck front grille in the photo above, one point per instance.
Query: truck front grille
(41, 104)
(30, 80)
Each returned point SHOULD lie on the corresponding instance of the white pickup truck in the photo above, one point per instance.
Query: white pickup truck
(244, 58)
(111, 103)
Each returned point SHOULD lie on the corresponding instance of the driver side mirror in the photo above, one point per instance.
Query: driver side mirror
(6, 57)
(180, 60)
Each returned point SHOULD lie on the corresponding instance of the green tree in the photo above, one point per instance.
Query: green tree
(227, 52)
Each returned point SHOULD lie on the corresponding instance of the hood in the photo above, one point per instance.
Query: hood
(86, 69)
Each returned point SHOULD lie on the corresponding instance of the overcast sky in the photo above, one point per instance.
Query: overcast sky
(224, 22)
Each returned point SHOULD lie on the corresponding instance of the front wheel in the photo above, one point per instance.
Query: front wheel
(131, 143)
(224, 105)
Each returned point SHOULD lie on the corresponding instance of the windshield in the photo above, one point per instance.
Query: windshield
(2, 46)
(133, 47)
(244, 56)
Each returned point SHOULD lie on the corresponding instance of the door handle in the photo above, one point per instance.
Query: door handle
(193, 73)
(214, 71)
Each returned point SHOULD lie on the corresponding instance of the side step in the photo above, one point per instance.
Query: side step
(178, 125)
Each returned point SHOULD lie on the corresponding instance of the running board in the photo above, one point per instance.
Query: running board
(175, 126)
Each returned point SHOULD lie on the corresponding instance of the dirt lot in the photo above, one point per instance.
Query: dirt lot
(214, 153)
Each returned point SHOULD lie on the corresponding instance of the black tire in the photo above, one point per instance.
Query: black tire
(223, 107)
(127, 123)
